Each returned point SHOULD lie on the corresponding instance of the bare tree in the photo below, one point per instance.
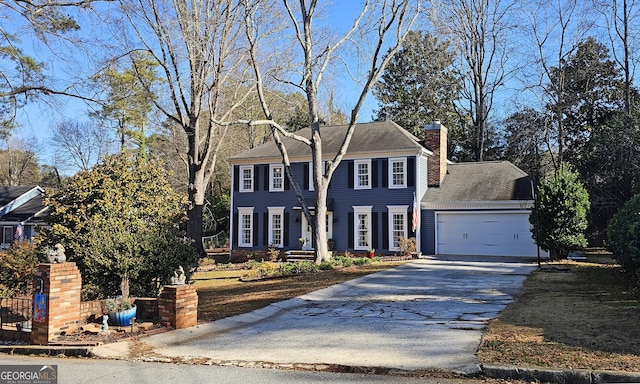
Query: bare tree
(620, 16)
(479, 30)
(80, 145)
(18, 162)
(555, 28)
(198, 47)
(382, 24)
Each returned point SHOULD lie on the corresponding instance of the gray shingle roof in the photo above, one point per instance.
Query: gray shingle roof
(367, 137)
(483, 181)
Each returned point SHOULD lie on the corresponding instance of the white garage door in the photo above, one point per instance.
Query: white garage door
(482, 233)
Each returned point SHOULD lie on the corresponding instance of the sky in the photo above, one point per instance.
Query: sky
(37, 118)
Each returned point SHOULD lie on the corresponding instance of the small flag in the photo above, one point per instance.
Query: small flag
(19, 232)
(414, 218)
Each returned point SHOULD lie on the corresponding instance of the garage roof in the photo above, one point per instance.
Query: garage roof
(482, 181)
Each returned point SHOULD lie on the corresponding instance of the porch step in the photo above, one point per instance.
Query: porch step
(298, 255)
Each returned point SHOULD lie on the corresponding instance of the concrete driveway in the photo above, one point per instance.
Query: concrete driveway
(426, 314)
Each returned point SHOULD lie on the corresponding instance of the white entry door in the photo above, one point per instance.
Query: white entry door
(307, 231)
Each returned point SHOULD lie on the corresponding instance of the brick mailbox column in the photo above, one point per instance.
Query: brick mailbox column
(178, 304)
(61, 293)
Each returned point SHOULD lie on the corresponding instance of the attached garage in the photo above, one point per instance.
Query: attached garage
(504, 233)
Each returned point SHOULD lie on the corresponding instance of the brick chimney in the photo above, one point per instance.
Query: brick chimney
(435, 139)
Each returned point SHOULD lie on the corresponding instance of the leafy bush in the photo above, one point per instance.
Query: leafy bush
(343, 261)
(361, 260)
(624, 236)
(307, 267)
(562, 206)
(120, 223)
(326, 265)
(17, 266)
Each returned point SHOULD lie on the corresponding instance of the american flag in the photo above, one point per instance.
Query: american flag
(414, 217)
(19, 232)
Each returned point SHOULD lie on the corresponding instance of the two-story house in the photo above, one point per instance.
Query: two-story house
(470, 208)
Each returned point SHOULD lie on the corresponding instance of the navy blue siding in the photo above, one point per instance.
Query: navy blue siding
(428, 225)
(344, 198)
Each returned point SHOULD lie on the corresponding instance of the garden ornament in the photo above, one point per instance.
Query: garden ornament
(56, 254)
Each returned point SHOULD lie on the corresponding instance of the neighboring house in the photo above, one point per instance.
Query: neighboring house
(469, 208)
(21, 213)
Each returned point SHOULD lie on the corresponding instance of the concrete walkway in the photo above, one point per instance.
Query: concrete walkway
(426, 314)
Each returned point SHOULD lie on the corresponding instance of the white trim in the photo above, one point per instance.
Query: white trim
(348, 156)
(272, 168)
(312, 182)
(242, 211)
(356, 178)
(496, 204)
(362, 210)
(241, 169)
(405, 175)
(276, 211)
(396, 210)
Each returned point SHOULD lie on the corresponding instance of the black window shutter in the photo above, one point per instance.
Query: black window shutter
(237, 229)
(374, 174)
(256, 178)
(350, 174)
(350, 230)
(306, 176)
(287, 183)
(265, 229)
(236, 178)
(411, 171)
(385, 173)
(374, 230)
(285, 232)
(266, 178)
(255, 229)
(385, 230)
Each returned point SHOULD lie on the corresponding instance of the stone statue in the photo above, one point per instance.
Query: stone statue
(179, 277)
(56, 254)
(105, 324)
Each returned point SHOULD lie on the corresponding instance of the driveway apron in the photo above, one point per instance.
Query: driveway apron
(426, 314)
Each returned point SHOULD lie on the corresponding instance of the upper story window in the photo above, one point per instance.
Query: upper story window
(245, 227)
(398, 172)
(362, 174)
(276, 178)
(246, 178)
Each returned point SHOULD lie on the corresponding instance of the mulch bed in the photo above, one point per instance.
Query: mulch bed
(92, 335)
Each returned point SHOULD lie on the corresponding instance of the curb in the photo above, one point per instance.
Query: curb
(45, 350)
(553, 375)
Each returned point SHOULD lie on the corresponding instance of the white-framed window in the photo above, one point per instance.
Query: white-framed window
(276, 226)
(362, 174)
(246, 178)
(398, 172)
(245, 227)
(362, 227)
(276, 178)
(312, 182)
(398, 225)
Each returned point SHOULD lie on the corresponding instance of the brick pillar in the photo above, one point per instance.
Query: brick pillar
(178, 304)
(62, 285)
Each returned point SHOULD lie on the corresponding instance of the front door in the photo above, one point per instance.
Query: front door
(307, 231)
(307, 234)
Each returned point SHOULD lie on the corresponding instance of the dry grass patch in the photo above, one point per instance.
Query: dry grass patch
(569, 315)
(221, 294)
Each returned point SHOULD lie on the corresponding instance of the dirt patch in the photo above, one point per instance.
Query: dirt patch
(569, 315)
(221, 293)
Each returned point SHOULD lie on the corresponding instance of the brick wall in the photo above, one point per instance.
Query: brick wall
(178, 305)
(62, 285)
